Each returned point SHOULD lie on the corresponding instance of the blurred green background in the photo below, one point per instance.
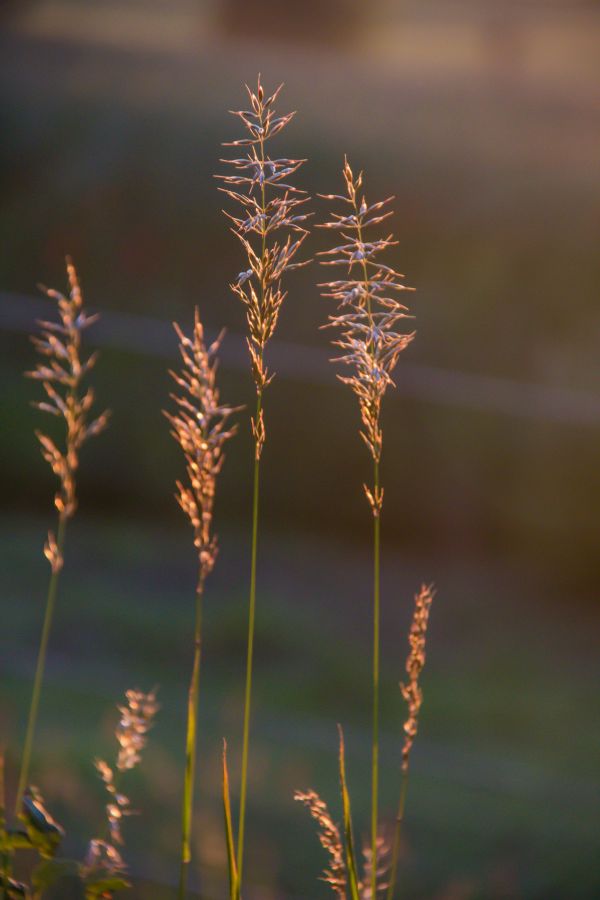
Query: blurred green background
(483, 119)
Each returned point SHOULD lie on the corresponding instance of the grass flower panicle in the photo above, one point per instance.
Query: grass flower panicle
(367, 317)
(368, 310)
(329, 836)
(343, 874)
(269, 205)
(383, 857)
(201, 427)
(271, 226)
(411, 689)
(104, 857)
(61, 377)
(137, 716)
(61, 373)
(413, 694)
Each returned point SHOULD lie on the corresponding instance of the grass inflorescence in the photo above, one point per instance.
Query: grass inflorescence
(271, 226)
(61, 373)
(201, 427)
(270, 220)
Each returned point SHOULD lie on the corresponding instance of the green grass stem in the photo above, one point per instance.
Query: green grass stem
(40, 668)
(249, 662)
(190, 750)
(397, 834)
(376, 628)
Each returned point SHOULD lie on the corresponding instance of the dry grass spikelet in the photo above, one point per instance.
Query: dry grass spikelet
(329, 836)
(102, 857)
(383, 868)
(270, 225)
(200, 428)
(62, 373)
(136, 719)
(368, 308)
(411, 689)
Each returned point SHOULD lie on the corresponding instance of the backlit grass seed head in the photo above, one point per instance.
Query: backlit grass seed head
(329, 835)
(102, 857)
(137, 716)
(411, 690)
(368, 307)
(62, 373)
(200, 427)
(270, 225)
(383, 868)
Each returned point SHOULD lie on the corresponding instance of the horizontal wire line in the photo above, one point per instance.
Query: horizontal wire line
(149, 336)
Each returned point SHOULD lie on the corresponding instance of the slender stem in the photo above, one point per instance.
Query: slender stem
(253, 556)
(39, 672)
(397, 833)
(5, 875)
(376, 618)
(376, 602)
(250, 652)
(190, 749)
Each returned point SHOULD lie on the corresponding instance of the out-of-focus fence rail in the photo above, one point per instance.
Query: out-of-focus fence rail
(150, 336)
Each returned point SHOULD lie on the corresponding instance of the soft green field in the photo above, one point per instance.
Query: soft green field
(504, 788)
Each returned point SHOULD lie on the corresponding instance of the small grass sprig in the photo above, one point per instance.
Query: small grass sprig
(329, 836)
(201, 427)
(103, 871)
(61, 373)
(367, 317)
(413, 695)
(270, 225)
(137, 717)
(343, 875)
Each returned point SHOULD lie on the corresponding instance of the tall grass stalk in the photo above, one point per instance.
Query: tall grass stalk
(368, 312)
(190, 752)
(269, 205)
(249, 664)
(200, 427)
(61, 374)
(40, 665)
(376, 643)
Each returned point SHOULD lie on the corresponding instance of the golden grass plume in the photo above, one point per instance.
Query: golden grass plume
(411, 689)
(61, 374)
(136, 719)
(329, 836)
(200, 427)
(270, 206)
(368, 308)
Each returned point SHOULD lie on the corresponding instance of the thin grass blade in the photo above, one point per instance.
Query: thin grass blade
(233, 876)
(350, 855)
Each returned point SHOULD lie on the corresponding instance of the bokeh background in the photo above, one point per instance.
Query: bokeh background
(483, 118)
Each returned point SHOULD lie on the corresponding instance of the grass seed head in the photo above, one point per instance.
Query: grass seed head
(270, 223)
(329, 835)
(201, 427)
(411, 689)
(61, 373)
(136, 719)
(383, 868)
(368, 307)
